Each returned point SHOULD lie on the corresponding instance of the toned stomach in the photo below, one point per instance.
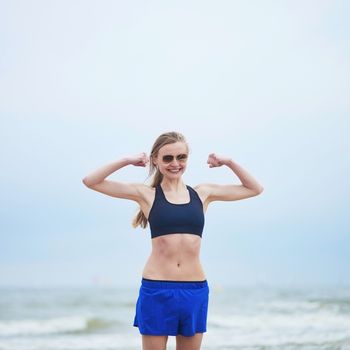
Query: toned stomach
(175, 257)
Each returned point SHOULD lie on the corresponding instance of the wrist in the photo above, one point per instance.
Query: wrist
(125, 161)
(229, 162)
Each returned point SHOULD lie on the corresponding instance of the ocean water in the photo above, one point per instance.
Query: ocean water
(101, 318)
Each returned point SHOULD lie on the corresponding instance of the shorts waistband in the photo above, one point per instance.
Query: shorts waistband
(146, 282)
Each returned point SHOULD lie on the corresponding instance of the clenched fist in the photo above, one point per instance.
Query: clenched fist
(215, 160)
(139, 160)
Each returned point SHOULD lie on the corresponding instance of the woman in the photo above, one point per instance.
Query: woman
(174, 293)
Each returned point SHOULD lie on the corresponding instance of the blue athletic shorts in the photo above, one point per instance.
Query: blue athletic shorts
(172, 307)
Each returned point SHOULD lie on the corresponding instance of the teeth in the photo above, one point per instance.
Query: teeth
(174, 171)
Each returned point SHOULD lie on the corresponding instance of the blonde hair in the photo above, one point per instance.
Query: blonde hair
(162, 140)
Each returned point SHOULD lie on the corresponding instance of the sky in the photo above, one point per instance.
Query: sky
(85, 83)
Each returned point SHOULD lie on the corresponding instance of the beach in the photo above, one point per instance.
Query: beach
(245, 318)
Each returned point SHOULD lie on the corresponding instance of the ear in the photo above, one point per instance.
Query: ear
(154, 161)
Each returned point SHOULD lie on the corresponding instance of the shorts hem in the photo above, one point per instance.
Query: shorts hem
(191, 335)
(170, 333)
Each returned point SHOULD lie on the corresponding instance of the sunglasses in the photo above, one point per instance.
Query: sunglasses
(180, 158)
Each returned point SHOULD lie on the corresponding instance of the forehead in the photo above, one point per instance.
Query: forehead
(173, 148)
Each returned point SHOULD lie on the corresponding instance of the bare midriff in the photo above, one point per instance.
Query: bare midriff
(175, 257)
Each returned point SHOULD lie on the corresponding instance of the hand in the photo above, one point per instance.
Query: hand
(215, 160)
(139, 160)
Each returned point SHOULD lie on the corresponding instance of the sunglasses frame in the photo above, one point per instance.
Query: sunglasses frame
(179, 158)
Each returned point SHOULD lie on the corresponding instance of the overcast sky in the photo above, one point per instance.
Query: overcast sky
(84, 83)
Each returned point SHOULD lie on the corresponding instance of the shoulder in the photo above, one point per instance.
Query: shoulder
(146, 192)
(203, 190)
(144, 189)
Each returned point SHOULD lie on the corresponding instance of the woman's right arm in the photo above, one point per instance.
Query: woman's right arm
(133, 191)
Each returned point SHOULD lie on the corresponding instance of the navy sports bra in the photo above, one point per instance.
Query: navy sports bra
(166, 218)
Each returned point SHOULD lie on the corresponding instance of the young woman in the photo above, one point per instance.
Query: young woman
(174, 293)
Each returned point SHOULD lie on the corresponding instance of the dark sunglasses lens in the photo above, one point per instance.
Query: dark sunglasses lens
(167, 159)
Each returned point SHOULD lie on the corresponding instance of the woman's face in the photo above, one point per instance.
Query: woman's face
(172, 159)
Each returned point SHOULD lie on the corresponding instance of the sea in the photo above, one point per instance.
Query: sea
(244, 318)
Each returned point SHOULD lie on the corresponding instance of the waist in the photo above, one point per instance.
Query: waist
(171, 284)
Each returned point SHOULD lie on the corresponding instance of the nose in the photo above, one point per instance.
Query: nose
(175, 162)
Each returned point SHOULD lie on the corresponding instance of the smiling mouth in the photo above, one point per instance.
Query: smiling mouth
(174, 171)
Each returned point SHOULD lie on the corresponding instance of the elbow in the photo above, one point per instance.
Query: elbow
(258, 190)
(86, 182)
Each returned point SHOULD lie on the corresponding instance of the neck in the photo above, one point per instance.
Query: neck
(173, 185)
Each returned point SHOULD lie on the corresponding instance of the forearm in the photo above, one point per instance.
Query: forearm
(101, 173)
(246, 179)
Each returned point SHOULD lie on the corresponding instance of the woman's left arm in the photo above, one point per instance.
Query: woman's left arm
(249, 187)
